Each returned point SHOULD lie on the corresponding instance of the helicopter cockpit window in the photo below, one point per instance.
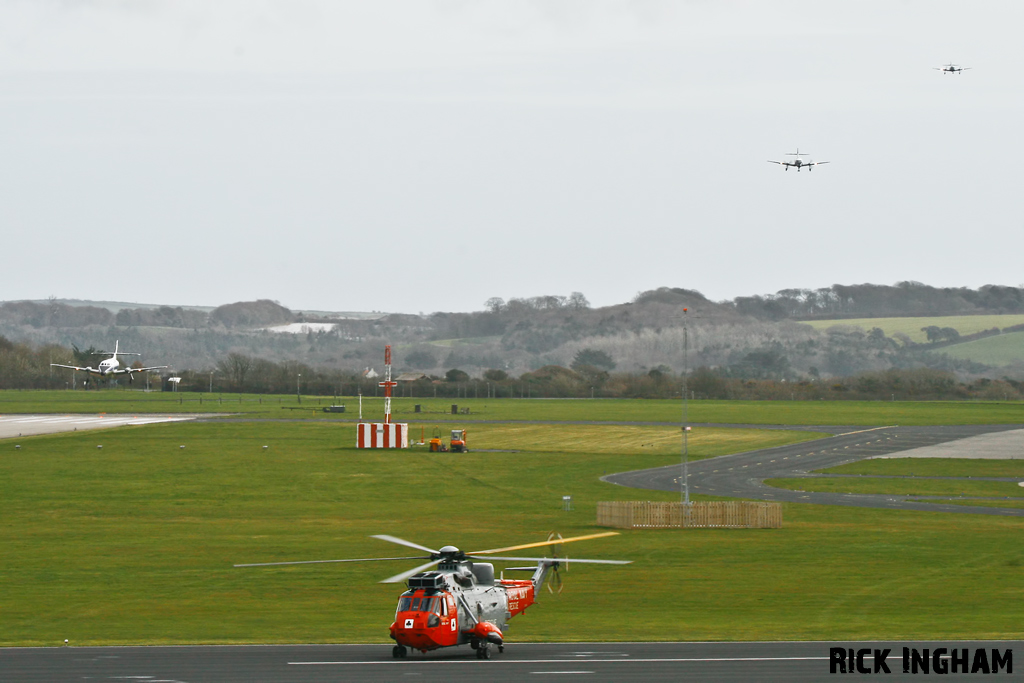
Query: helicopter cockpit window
(424, 604)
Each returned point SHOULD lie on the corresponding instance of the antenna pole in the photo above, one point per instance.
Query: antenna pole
(685, 484)
(387, 384)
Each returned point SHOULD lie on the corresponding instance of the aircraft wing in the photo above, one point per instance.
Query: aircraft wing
(155, 367)
(775, 162)
(70, 367)
(819, 163)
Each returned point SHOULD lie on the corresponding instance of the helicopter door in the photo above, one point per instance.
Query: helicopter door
(447, 631)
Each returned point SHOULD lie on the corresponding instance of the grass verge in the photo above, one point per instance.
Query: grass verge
(438, 411)
(133, 544)
(932, 467)
(901, 486)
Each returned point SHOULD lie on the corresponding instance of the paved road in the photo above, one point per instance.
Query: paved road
(649, 662)
(742, 475)
(13, 426)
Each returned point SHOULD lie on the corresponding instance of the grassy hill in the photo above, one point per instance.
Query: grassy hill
(1005, 349)
(964, 324)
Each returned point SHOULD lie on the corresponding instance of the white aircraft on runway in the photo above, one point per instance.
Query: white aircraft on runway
(109, 367)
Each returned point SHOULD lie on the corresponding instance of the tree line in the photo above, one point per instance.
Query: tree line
(747, 338)
(904, 299)
(592, 374)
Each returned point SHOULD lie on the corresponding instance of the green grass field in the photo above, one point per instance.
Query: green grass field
(933, 467)
(133, 543)
(964, 324)
(1004, 349)
(1017, 504)
(703, 442)
(438, 411)
(903, 486)
(899, 485)
(463, 341)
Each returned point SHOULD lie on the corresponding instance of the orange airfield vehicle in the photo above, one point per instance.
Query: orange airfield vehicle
(461, 602)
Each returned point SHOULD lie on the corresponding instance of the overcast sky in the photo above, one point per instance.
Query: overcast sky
(422, 156)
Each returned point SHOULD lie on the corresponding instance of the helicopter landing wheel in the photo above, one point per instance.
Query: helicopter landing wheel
(501, 648)
(399, 652)
(474, 643)
(483, 652)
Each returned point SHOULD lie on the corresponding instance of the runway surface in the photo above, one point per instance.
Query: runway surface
(13, 426)
(742, 475)
(715, 662)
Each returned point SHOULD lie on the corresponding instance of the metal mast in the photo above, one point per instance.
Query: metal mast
(387, 384)
(686, 415)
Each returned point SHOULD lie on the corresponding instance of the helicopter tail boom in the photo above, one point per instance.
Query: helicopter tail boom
(540, 575)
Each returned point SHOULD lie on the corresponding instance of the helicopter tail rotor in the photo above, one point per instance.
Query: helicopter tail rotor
(555, 582)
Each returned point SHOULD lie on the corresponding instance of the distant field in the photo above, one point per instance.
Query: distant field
(463, 341)
(964, 324)
(1001, 350)
(437, 412)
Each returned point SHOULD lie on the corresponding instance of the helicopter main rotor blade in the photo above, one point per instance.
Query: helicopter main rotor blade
(399, 578)
(544, 543)
(409, 544)
(550, 559)
(365, 559)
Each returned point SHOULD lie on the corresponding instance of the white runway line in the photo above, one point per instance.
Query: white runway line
(407, 662)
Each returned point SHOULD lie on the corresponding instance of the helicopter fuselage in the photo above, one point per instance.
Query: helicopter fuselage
(458, 604)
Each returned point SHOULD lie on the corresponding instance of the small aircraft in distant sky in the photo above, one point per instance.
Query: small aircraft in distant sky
(109, 367)
(797, 163)
(951, 68)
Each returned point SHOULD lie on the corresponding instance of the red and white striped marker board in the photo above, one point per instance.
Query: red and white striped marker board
(382, 435)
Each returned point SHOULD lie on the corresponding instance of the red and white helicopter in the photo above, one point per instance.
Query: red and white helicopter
(109, 367)
(461, 602)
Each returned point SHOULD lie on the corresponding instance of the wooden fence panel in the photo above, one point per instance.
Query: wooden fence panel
(731, 514)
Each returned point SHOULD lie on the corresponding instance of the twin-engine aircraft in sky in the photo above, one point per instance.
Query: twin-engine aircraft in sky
(798, 163)
(110, 367)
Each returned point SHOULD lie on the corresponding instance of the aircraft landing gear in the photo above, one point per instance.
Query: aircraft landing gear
(483, 651)
(501, 648)
(399, 652)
